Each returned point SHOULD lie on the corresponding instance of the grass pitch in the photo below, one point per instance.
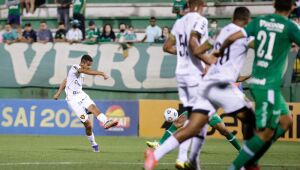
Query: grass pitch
(121, 153)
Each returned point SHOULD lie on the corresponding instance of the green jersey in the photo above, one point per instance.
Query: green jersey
(179, 5)
(78, 5)
(14, 9)
(92, 33)
(274, 35)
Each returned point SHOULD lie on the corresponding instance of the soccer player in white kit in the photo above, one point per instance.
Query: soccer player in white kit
(79, 101)
(189, 69)
(214, 94)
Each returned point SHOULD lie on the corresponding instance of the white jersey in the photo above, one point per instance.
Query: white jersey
(74, 80)
(188, 65)
(228, 67)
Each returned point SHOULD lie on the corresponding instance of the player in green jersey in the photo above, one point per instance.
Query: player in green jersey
(274, 35)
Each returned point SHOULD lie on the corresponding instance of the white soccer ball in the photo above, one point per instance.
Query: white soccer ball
(170, 114)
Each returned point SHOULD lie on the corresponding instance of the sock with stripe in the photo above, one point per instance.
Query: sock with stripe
(167, 134)
(279, 131)
(248, 151)
(232, 139)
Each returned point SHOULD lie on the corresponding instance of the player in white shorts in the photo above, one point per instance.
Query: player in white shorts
(203, 109)
(189, 69)
(79, 101)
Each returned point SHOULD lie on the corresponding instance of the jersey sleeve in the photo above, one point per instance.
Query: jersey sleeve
(201, 27)
(294, 33)
(74, 69)
(249, 30)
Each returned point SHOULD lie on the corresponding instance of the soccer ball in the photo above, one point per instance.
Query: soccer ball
(170, 114)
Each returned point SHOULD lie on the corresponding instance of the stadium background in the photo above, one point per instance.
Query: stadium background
(140, 88)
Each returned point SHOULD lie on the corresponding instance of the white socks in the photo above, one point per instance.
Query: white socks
(170, 144)
(183, 150)
(92, 139)
(197, 144)
(102, 118)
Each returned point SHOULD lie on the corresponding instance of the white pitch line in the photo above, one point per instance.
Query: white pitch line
(131, 163)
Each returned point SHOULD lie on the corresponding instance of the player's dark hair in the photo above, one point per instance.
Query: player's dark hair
(195, 3)
(86, 57)
(283, 5)
(241, 13)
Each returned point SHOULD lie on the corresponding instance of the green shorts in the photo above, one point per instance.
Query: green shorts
(214, 120)
(269, 106)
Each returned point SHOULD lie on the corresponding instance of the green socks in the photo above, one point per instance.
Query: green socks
(167, 134)
(248, 151)
(279, 131)
(231, 138)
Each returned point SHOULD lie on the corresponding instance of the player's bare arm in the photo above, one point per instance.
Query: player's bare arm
(231, 39)
(199, 53)
(243, 78)
(93, 72)
(60, 89)
(169, 45)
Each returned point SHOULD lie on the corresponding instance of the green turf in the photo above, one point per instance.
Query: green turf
(121, 153)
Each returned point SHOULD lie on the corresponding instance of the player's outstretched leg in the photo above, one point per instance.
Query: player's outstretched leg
(101, 117)
(90, 135)
(197, 121)
(217, 123)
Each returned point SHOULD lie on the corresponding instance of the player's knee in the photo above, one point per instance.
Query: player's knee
(265, 134)
(286, 121)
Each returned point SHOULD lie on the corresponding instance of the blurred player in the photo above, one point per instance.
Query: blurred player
(189, 69)
(274, 35)
(219, 90)
(79, 101)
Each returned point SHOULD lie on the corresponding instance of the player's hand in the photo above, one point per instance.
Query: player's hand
(56, 96)
(218, 53)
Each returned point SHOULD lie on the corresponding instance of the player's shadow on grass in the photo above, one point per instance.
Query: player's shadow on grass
(73, 149)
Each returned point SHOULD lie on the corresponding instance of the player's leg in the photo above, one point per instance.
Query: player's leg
(89, 104)
(197, 121)
(217, 123)
(83, 116)
(284, 123)
(183, 147)
(183, 96)
(191, 95)
(90, 135)
(267, 118)
(196, 147)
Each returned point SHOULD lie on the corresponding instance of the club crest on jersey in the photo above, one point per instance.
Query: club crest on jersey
(82, 117)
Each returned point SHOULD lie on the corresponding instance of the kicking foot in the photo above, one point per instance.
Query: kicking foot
(153, 144)
(150, 161)
(110, 123)
(95, 148)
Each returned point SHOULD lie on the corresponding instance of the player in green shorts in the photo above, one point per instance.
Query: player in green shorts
(215, 122)
(274, 35)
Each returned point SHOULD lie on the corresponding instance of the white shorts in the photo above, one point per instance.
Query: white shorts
(227, 96)
(79, 103)
(187, 86)
(203, 105)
